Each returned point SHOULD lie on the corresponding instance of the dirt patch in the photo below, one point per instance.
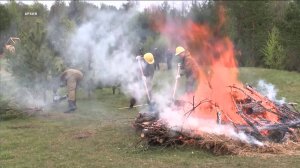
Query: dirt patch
(84, 134)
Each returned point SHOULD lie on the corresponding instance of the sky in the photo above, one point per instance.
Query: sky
(117, 3)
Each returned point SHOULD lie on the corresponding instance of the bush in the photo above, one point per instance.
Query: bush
(9, 110)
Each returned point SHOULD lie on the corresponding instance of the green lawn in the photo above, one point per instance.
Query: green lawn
(52, 139)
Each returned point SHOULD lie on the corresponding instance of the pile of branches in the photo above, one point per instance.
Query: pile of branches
(254, 108)
(10, 110)
(156, 133)
(281, 136)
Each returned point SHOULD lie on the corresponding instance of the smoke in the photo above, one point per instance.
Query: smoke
(180, 121)
(11, 89)
(270, 91)
(103, 48)
(19, 85)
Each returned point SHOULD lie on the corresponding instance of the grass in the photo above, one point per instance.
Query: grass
(51, 139)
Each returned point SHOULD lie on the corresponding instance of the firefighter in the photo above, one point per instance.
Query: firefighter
(169, 57)
(148, 73)
(157, 55)
(149, 66)
(187, 64)
(71, 77)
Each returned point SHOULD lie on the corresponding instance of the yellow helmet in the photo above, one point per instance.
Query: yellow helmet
(179, 50)
(148, 57)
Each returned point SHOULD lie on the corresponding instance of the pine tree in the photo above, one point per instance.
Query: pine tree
(290, 29)
(274, 54)
(252, 20)
(33, 64)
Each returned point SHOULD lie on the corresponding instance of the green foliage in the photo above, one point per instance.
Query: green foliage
(290, 30)
(60, 27)
(204, 12)
(5, 21)
(9, 110)
(33, 61)
(274, 54)
(78, 11)
(148, 45)
(5, 18)
(15, 10)
(252, 19)
(246, 23)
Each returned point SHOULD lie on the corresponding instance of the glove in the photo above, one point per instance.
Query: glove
(178, 76)
(56, 98)
(138, 57)
(144, 78)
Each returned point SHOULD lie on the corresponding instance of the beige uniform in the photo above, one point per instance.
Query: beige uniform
(72, 77)
(189, 65)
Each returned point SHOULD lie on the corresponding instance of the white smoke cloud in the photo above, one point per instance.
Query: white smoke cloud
(105, 42)
(103, 46)
(270, 91)
(177, 120)
(11, 89)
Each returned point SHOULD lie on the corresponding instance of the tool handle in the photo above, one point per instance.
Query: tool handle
(176, 81)
(143, 76)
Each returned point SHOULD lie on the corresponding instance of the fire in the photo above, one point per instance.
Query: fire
(214, 66)
(220, 104)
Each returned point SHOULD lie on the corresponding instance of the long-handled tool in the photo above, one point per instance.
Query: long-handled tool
(176, 81)
(57, 99)
(143, 77)
(139, 105)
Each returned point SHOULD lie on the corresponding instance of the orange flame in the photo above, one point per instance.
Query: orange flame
(214, 63)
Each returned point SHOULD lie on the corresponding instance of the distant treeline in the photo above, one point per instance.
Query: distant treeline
(265, 33)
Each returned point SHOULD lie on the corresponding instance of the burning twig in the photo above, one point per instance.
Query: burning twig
(188, 113)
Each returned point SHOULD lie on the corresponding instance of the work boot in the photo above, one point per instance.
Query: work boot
(74, 103)
(132, 102)
(72, 107)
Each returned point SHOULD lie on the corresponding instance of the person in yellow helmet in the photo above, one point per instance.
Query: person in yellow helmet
(187, 64)
(179, 50)
(149, 65)
(148, 69)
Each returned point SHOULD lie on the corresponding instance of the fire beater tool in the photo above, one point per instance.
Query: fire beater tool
(139, 105)
(57, 98)
(176, 81)
(143, 77)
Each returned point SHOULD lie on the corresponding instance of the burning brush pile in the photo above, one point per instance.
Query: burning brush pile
(259, 126)
(221, 115)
